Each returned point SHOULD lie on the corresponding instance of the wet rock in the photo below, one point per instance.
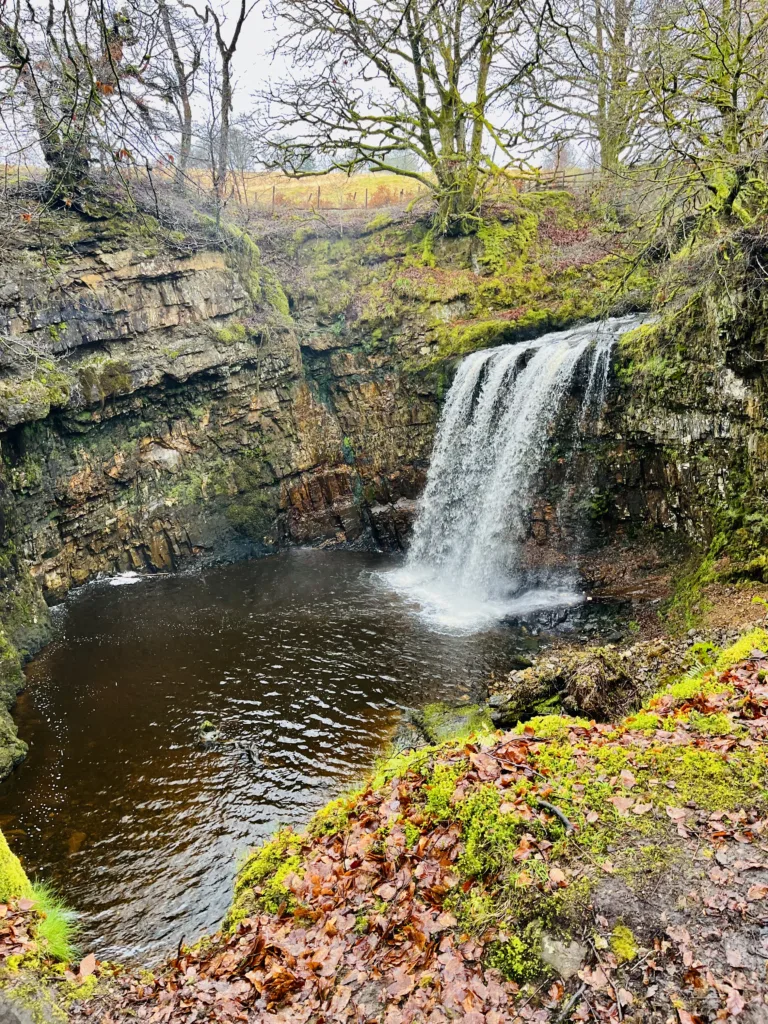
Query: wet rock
(209, 735)
(408, 735)
(437, 723)
(12, 1012)
(392, 523)
(441, 722)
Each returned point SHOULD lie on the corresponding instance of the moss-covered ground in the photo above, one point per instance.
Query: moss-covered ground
(540, 261)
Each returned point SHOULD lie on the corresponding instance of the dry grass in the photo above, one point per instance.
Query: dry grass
(336, 190)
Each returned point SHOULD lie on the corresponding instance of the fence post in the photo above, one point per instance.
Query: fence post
(273, 200)
(366, 199)
(318, 198)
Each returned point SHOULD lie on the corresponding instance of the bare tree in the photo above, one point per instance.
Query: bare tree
(226, 49)
(590, 83)
(372, 82)
(710, 96)
(176, 80)
(73, 83)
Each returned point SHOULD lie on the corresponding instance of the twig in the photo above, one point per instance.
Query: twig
(571, 1002)
(530, 997)
(569, 826)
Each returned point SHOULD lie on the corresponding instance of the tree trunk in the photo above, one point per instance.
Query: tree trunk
(222, 159)
(185, 147)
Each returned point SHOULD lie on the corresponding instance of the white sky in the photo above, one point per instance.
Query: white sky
(252, 61)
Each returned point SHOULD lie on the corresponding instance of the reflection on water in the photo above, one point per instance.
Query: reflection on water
(306, 656)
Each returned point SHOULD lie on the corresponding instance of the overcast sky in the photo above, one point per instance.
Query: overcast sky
(252, 61)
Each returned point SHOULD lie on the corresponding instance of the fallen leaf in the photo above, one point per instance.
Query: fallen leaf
(734, 1002)
(87, 966)
(592, 817)
(757, 892)
(677, 813)
(747, 865)
(595, 979)
(621, 803)
(642, 808)
(628, 780)
(402, 983)
(688, 1018)
(733, 957)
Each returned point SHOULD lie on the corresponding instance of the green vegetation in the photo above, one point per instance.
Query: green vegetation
(101, 378)
(520, 867)
(260, 882)
(623, 944)
(13, 878)
(518, 958)
(233, 333)
(756, 639)
(57, 930)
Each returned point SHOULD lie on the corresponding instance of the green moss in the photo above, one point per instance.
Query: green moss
(232, 334)
(440, 787)
(13, 879)
(400, 765)
(259, 887)
(443, 722)
(412, 834)
(102, 378)
(756, 639)
(272, 292)
(622, 943)
(254, 515)
(380, 221)
(710, 780)
(552, 726)
(712, 725)
(643, 721)
(334, 817)
(519, 958)
(489, 836)
(504, 245)
(697, 685)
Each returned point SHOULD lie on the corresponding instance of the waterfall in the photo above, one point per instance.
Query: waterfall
(464, 564)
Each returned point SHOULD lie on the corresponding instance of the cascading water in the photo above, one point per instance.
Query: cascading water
(463, 566)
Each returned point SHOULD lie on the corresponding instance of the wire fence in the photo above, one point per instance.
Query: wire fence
(257, 196)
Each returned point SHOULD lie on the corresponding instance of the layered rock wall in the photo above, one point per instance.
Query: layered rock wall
(158, 420)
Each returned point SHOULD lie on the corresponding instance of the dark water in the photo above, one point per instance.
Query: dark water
(308, 655)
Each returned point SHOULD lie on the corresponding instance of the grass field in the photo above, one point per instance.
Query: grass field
(336, 190)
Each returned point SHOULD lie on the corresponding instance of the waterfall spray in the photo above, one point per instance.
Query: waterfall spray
(464, 565)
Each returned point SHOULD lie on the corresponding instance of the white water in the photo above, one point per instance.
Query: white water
(463, 569)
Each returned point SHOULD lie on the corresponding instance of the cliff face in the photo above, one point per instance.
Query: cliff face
(161, 423)
(160, 400)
